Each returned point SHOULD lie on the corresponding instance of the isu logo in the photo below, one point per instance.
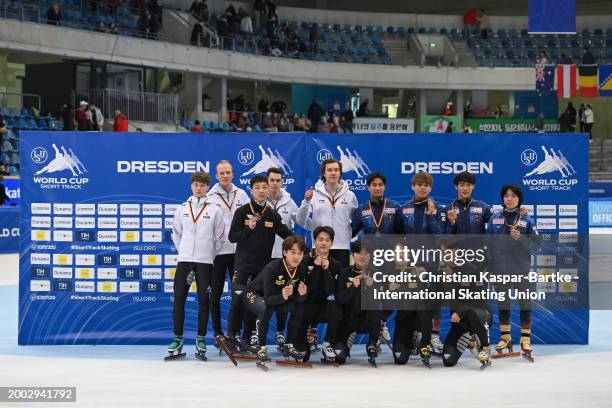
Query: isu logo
(268, 159)
(553, 161)
(64, 160)
(351, 160)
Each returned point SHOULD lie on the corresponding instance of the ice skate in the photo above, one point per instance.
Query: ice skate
(505, 343)
(293, 357)
(484, 356)
(280, 341)
(425, 356)
(312, 338)
(201, 348)
(436, 344)
(175, 349)
(329, 356)
(225, 344)
(261, 353)
(371, 350)
(526, 349)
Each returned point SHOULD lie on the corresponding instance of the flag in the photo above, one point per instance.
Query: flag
(566, 81)
(588, 80)
(605, 80)
(545, 79)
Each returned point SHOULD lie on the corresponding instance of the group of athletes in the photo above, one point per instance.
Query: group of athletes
(221, 231)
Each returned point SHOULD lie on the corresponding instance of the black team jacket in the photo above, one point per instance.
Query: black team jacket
(274, 277)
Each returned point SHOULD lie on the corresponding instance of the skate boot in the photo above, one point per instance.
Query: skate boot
(526, 349)
(262, 355)
(175, 349)
(201, 348)
(505, 343)
(312, 338)
(416, 339)
(426, 355)
(473, 346)
(484, 356)
(329, 356)
(372, 354)
(294, 353)
(280, 341)
(436, 344)
(254, 339)
(384, 332)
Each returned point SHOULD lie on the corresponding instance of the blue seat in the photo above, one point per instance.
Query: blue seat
(501, 33)
(422, 30)
(390, 30)
(586, 33)
(598, 32)
(598, 43)
(370, 29)
(443, 31)
(401, 31)
(42, 124)
(22, 124)
(257, 128)
(12, 112)
(575, 43)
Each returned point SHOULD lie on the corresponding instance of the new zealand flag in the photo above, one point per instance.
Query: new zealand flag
(545, 79)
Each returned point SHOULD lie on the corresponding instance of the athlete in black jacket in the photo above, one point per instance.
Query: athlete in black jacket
(280, 287)
(253, 230)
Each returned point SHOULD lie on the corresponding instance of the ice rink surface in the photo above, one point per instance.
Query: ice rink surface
(134, 376)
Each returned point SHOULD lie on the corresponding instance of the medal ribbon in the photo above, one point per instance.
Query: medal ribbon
(382, 214)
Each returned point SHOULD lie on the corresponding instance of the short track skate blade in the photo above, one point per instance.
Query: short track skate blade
(485, 365)
(262, 365)
(528, 357)
(201, 357)
(426, 364)
(506, 355)
(329, 362)
(223, 346)
(175, 356)
(293, 363)
(373, 363)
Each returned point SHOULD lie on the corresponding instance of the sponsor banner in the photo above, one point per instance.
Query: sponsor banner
(600, 212)
(120, 265)
(491, 125)
(383, 125)
(12, 187)
(9, 230)
(438, 124)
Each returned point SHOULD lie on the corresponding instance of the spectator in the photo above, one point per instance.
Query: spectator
(587, 57)
(263, 105)
(450, 128)
(197, 34)
(272, 26)
(565, 59)
(564, 122)
(121, 122)
(97, 119)
(199, 11)
(499, 112)
(543, 58)
(330, 126)
(539, 123)
(3, 196)
(259, 10)
(113, 29)
(53, 15)
(582, 117)
(467, 129)
(346, 119)
(278, 106)
(246, 24)
(589, 120)
(144, 23)
(470, 20)
(275, 51)
(315, 113)
(363, 109)
(293, 43)
(81, 117)
(196, 128)
(223, 27)
(270, 7)
(571, 115)
(286, 125)
(113, 6)
(483, 22)
(267, 124)
(313, 37)
(244, 122)
(100, 27)
(67, 116)
(448, 109)
(467, 110)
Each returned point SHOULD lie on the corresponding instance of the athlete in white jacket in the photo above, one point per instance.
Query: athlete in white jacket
(197, 232)
(228, 197)
(331, 203)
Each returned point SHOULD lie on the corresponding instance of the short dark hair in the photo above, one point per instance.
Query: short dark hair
(374, 176)
(275, 170)
(464, 177)
(292, 240)
(325, 163)
(200, 177)
(323, 228)
(515, 189)
(258, 179)
(359, 246)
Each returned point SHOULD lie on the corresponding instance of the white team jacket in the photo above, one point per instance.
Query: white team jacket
(287, 209)
(198, 230)
(321, 212)
(228, 203)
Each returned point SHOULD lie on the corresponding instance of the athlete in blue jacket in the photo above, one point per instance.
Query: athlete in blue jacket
(513, 239)
(377, 215)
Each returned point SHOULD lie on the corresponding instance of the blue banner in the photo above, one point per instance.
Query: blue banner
(552, 16)
(9, 230)
(600, 189)
(600, 212)
(12, 186)
(97, 260)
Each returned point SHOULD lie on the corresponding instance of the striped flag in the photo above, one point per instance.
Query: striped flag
(605, 80)
(566, 81)
(587, 80)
